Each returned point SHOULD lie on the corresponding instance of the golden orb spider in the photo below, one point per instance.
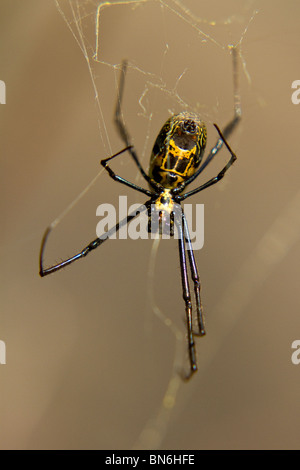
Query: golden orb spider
(175, 162)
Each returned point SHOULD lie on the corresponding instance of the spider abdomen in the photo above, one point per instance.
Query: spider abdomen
(178, 150)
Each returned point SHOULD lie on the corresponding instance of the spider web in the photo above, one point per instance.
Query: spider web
(169, 45)
(161, 64)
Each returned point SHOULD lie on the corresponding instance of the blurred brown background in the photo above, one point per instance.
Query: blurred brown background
(90, 360)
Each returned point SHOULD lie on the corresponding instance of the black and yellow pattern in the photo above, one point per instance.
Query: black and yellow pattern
(178, 150)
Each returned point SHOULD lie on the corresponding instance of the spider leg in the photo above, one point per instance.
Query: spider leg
(217, 178)
(196, 279)
(115, 177)
(228, 129)
(120, 124)
(187, 299)
(86, 250)
(226, 133)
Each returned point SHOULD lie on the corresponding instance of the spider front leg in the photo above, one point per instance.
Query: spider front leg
(120, 124)
(237, 111)
(229, 128)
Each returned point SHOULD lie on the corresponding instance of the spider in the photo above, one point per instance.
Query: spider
(175, 162)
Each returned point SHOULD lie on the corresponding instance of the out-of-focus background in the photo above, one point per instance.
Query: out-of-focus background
(94, 352)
